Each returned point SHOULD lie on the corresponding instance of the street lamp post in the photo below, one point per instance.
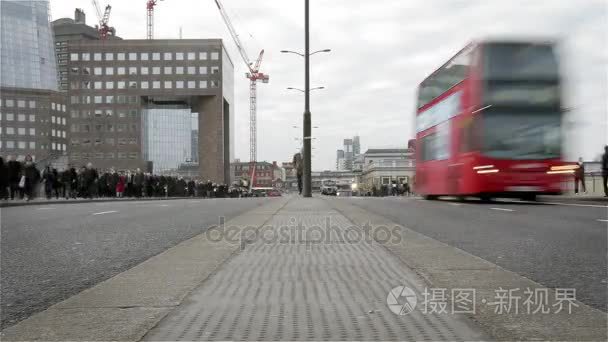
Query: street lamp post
(307, 130)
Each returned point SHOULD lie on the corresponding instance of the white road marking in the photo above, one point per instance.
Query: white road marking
(106, 212)
(163, 205)
(601, 220)
(195, 201)
(455, 204)
(575, 204)
(502, 209)
(46, 208)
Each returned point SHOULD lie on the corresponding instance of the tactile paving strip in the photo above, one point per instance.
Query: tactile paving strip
(293, 289)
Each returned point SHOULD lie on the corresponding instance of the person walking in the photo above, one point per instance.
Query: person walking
(32, 177)
(579, 176)
(90, 179)
(605, 170)
(138, 183)
(49, 180)
(298, 165)
(120, 186)
(3, 180)
(13, 173)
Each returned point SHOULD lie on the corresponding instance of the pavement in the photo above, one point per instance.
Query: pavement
(42, 201)
(331, 269)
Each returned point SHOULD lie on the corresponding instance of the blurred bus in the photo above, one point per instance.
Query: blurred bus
(488, 123)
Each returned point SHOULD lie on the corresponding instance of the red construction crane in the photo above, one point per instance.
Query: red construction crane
(103, 19)
(150, 19)
(253, 75)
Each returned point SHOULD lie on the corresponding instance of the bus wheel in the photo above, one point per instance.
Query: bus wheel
(485, 198)
(430, 197)
(529, 197)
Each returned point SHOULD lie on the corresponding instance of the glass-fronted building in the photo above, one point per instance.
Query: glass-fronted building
(27, 55)
(166, 137)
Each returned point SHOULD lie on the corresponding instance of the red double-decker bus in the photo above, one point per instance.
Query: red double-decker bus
(488, 123)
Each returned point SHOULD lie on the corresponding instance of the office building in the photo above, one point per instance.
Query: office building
(33, 119)
(345, 157)
(118, 90)
(356, 146)
(68, 29)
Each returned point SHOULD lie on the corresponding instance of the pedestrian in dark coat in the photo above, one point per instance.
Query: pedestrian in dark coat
(90, 179)
(3, 180)
(32, 177)
(605, 170)
(49, 180)
(13, 173)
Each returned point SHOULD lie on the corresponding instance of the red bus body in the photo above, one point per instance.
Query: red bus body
(450, 132)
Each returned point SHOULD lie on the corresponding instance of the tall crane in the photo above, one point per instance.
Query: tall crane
(103, 19)
(150, 18)
(253, 75)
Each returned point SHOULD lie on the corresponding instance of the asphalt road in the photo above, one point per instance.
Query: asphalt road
(557, 245)
(51, 252)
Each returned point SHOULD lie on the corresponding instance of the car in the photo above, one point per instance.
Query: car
(273, 193)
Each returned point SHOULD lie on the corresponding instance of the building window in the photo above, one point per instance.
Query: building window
(191, 84)
(144, 70)
(215, 56)
(168, 56)
(109, 71)
(133, 85)
(21, 103)
(10, 144)
(110, 85)
(132, 56)
(10, 116)
(202, 84)
(97, 56)
(132, 70)
(168, 84)
(52, 119)
(179, 84)
(132, 141)
(144, 84)
(21, 117)
(110, 99)
(155, 70)
(110, 141)
(32, 104)
(22, 145)
(98, 99)
(73, 56)
(122, 155)
(179, 70)
(168, 70)
(179, 56)
(156, 56)
(191, 70)
(21, 130)
(133, 155)
(215, 84)
(10, 103)
(202, 56)
(215, 70)
(122, 141)
(86, 56)
(144, 56)
(74, 114)
(191, 56)
(97, 71)
(121, 70)
(10, 130)
(97, 85)
(121, 84)
(120, 56)
(110, 155)
(202, 70)
(98, 128)
(33, 131)
(156, 84)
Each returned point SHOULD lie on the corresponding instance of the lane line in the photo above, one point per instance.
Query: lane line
(601, 220)
(575, 204)
(455, 204)
(46, 208)
(163, 205)
(106, 212)
(502, 209)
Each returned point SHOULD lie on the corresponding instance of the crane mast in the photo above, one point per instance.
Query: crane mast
(150, 18)
(253, 75)
(103, 19)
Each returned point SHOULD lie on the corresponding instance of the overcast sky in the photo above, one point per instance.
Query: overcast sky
(381, 50)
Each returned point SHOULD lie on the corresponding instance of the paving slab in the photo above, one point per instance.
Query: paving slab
(305, 278)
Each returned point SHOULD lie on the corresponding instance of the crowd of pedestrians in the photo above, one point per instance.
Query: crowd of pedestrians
(23, 180)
